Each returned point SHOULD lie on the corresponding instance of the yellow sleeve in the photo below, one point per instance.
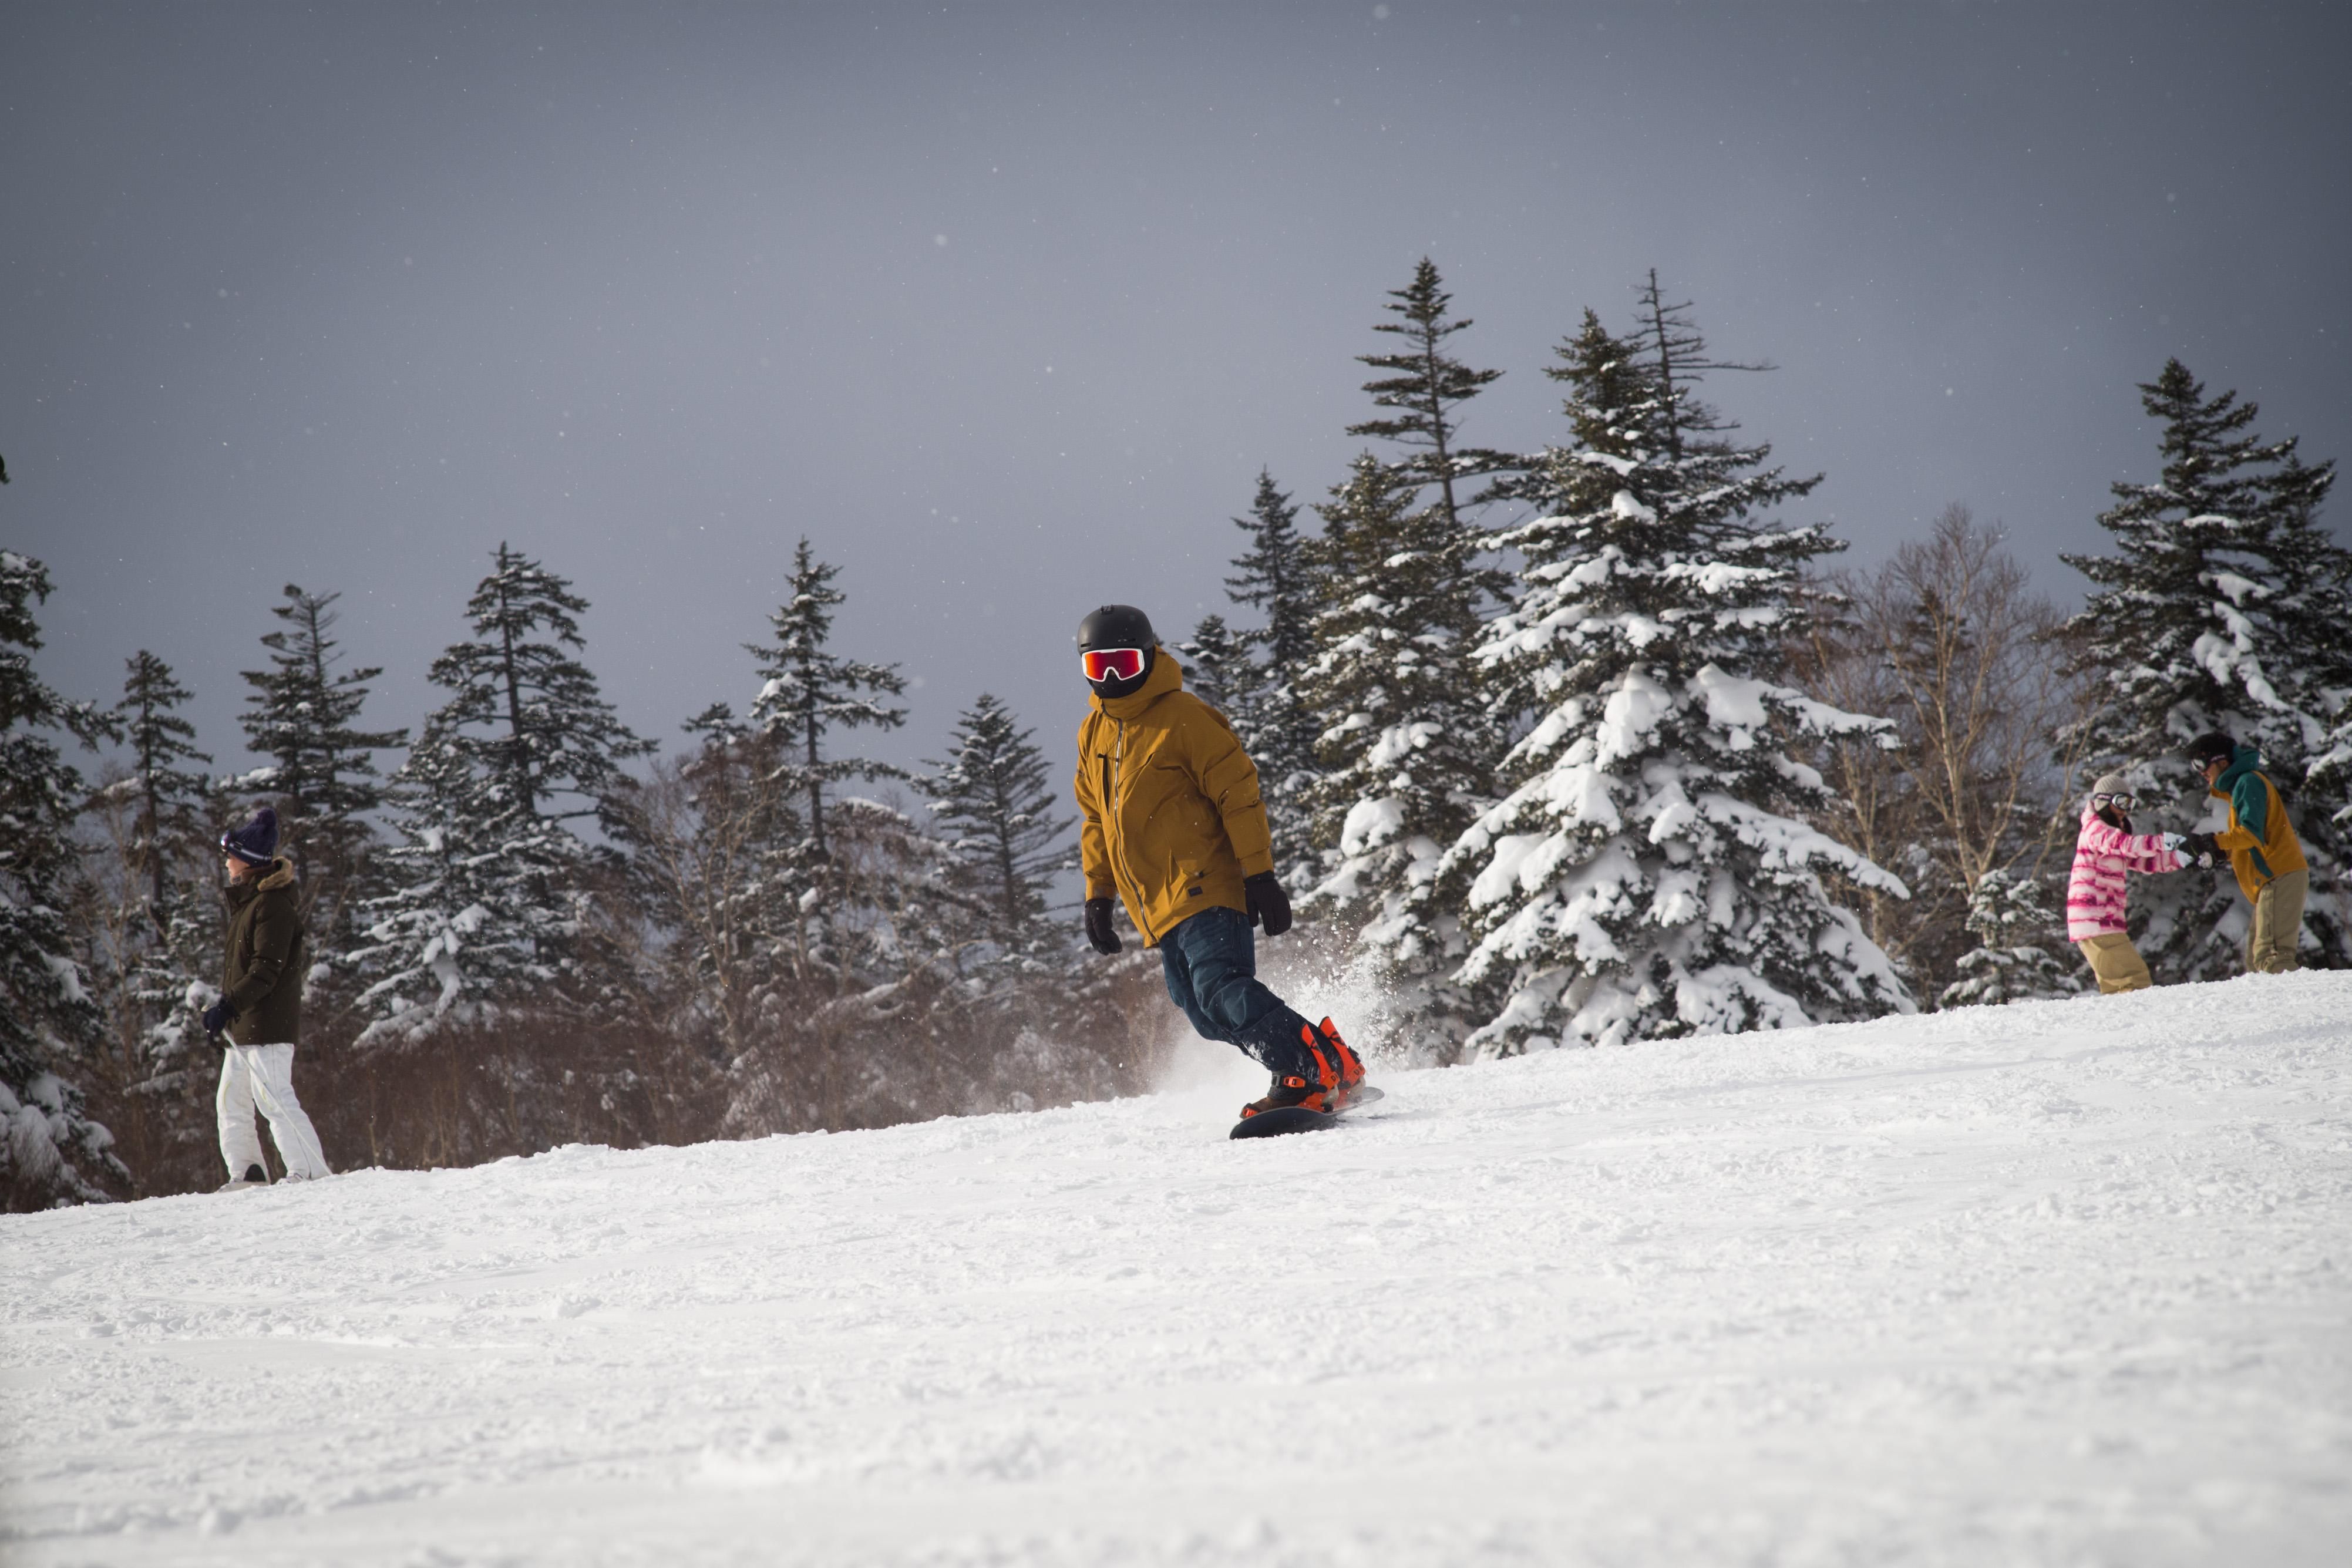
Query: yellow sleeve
(1094, 857)
(1229, 779)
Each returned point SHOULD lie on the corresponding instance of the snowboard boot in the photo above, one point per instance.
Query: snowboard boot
(1288, 1089)
(1323, 1091)
(255, 1176)
(1350, 1065)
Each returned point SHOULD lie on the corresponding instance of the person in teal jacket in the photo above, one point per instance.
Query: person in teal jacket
(2261, 846)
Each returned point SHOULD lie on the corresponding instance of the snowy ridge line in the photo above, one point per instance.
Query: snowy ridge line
(2053, 1282)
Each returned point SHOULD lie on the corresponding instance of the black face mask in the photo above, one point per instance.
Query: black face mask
(1114, 688)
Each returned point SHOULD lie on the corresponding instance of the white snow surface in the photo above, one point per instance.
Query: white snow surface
(2063, 1283)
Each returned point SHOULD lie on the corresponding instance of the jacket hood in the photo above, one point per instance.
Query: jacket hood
(2248, 760)
(1166, 676)
(279, 874)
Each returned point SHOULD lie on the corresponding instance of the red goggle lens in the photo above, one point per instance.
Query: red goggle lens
(1112, 663)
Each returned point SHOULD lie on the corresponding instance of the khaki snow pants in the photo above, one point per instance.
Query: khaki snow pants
(2116, 963)
(2277, 924)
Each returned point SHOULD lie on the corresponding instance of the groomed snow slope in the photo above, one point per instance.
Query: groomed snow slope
(2055, 1283)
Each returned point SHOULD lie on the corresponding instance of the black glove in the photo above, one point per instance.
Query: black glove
(1100, 935)
(217, 1018)
(2200, 848)
(1268, 904)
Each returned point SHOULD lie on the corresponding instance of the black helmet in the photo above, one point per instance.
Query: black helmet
(1115, 625)
(1120, 625)
(2213, 746)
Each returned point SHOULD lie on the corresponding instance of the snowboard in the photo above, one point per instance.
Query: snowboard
(1298, 1119)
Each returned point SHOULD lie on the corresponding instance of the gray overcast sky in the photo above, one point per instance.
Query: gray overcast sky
(1005, 305)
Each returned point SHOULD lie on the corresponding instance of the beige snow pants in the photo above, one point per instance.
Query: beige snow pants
(2116, 963)
(2276, 927)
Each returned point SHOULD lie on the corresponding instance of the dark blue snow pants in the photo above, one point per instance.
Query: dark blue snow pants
(1211, 961)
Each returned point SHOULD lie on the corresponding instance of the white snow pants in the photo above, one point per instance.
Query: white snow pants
(263, 1076)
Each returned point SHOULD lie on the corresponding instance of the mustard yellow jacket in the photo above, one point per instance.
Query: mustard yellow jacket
(2260, 841)
(1171, 819)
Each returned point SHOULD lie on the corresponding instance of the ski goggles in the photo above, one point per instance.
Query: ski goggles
(1112, 663)
(2120, 802)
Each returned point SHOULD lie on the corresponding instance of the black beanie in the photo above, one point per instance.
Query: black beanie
(257, 841)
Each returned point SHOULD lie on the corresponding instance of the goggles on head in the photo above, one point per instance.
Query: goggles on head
(2120, 802)
(1112, 663)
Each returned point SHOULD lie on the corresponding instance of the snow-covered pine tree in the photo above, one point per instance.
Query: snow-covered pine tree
(169, 958)
(488, 892)
(1427, 386)
(170, 796)
(1648, 875)
(2222, 607)
(1274, 577)
(2011, 917)
(302, 714)
(2311, 606)
(830, 898)
(994, 802)
(50, 1150)
(1216, 666)
(810, 692)
(1405, 749)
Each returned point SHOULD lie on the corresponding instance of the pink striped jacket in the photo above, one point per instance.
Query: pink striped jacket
(2095, 894)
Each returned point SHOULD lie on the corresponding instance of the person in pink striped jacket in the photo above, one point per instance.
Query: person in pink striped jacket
(2096, 903)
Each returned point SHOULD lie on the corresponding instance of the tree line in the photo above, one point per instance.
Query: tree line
(1585, 745)
(514, 938)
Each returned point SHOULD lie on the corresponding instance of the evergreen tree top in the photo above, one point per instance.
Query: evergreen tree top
(302, 712)
(1427, 380)
(1427, 386)
(1643, 549)
(549, 731)
(995, 794)
(25, 700)
(808, 688)
(170, 798)
(1272, 575)
(1213, 658)
(809, 691)
(2222, 603)
(158, 736)
(1678, 359)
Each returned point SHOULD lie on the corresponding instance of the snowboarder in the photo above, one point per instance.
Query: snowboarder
(2263, 849)
(2105, 848)
(1173, 825)
(259, 1019)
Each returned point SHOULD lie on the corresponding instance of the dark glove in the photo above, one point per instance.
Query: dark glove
(2200, 848)
(217, 1018)
(1268, 904)
(1100, 935)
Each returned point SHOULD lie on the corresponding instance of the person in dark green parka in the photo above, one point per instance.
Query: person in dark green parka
(258, 1021)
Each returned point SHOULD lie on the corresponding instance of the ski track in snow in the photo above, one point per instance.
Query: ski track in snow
(2058, 1283)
